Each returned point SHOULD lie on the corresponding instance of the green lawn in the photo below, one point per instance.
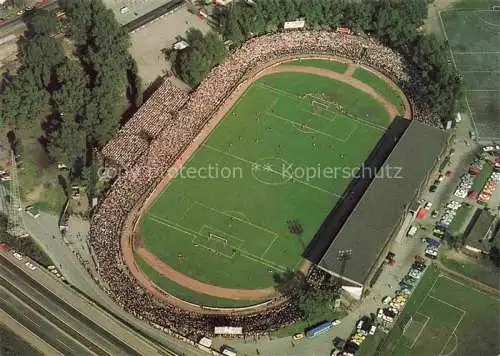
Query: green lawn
(384, 89)
(319, 63)
(472, 34)
(461, 220)
(482, 177)
(276, 156)
(448, 318)
(303, 325)
(187, 294)
(481, 270)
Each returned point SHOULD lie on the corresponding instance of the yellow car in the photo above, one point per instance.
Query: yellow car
(298, 336)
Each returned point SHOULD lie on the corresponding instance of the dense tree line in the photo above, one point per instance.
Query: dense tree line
(78, 97)
(393, 22)
(203, 53)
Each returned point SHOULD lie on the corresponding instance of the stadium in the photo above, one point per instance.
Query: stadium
(285, 73)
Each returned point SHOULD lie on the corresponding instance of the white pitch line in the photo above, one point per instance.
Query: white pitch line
(477, 52)
(269, 247)
(448, 304)
(485, 90)
(334, 113)
(272, 170)
(419, 307)
(452, 333)
(469, 287)
(421, 331)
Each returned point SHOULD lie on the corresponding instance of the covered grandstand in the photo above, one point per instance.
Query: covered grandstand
(377, 216)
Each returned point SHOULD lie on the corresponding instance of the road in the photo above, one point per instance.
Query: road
(45, 231)
(82, 322)
(145, 338)
(34, 322)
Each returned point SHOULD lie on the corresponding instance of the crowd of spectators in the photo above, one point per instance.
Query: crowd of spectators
(133, 140)
(171, 120)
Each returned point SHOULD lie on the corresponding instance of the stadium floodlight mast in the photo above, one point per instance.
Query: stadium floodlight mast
(343, 256)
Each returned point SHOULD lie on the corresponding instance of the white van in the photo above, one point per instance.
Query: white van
(412, 231)
(228, 351)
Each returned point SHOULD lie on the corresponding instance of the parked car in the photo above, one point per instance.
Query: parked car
(336, 322)
(298, 336)
(30, 265)
(431, 253)
(32, 211)
(372, 330)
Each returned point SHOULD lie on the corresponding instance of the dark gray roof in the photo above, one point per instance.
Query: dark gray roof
(372, 222)
(480, 230)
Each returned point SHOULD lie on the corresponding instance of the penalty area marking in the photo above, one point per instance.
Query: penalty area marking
(334, 113)
(417, 337)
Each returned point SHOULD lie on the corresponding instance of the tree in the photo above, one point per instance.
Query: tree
(23, 101)
(41, 54)
(315, 303)
(67, 144)
(288, 283)
(41, 22)
(494, 256)
(71, 96)
(203, 53)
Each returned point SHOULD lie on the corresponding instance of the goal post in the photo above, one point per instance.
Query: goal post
(217, 238)
(407, 324)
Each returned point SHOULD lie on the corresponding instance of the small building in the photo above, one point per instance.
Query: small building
(223, 2)
(481, 233)
(228, 330)
(179, 46)
(294, 25)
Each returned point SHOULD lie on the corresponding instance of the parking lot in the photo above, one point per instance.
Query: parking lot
(128, 10)
(149, 40)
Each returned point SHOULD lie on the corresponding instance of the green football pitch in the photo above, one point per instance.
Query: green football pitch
(471, 29)
(286, 151)
(446, 317)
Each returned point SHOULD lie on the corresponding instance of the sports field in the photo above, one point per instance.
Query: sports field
(474, 40)
(445, 317)
(319, 63)
(382, 87)
(286, 151)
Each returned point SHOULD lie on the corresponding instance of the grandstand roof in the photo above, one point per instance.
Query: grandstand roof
(371, 224)
(481, 231)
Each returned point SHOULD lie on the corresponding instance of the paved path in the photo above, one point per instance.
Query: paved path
(322, 345)
(45, 231)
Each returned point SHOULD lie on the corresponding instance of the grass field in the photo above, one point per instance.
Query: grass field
(461, 220)
(187, 294)
(481, 270)
(444, 317)
(230, 227)
(472, 29)
(482, 177)
(381, 87)
(319, 63)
